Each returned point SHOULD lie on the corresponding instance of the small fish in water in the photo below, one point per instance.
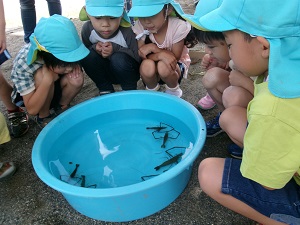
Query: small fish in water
(74, 172)
(170, 161)
(166, 136)
(82, 181)
(156, 128)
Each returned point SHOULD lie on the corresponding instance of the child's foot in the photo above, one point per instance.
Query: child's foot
(60, 109)
(174, 91)
(206, 102)
(7, 169)
(213, 127)
(235, 151)
(42, 122)
(18, 122)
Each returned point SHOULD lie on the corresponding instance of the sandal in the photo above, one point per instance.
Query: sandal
(7, 169)
(60, 109)
(42, 122)
(18, 123)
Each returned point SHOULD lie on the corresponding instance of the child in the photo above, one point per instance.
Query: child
(226, 86)
(46, 72)
(215, 62)
(164, 52)
(113, 57)
(265, 184)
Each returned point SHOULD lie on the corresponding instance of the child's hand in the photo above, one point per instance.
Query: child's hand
(205, 61)
(76, 72)
(99, 47)
(208, 62)
(169, 59)
(145, 50)
(107, 49)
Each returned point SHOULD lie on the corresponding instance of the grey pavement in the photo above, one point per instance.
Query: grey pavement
(25, 199)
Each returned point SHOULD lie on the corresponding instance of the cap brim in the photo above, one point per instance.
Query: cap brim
(74, 56)
(214, 21)
(83, 16)
(145, 11)
(193, 20)
(105, 11)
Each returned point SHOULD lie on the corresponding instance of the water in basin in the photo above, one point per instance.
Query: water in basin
(119, 148)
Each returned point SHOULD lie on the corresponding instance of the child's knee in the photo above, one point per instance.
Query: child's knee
(224, 119)
(204, 172)
(147, 68)
(164, 71)
(209, 79)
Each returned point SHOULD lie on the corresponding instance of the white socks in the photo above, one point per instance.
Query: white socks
(174, 91)
(153, 89)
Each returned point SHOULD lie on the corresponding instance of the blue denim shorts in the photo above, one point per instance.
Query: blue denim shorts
(285, 201)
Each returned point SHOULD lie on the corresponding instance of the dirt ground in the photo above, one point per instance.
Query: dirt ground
(25, 199)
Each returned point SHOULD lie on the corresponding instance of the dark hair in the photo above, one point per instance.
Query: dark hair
(207, 37)
(51, 61)
(190, 40)
(247, 37)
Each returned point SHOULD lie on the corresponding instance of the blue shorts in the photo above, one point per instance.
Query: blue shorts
(285, 201)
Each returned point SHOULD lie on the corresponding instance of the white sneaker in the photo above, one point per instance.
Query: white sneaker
(174, 91)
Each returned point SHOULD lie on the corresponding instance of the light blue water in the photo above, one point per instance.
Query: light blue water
(116, 149)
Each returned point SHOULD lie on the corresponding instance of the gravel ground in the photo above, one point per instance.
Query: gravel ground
(25, 199)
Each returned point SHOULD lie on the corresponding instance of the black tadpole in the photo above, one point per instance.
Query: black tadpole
(74, 172)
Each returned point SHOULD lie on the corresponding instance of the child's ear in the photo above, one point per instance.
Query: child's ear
(265, 46)
(170, 9)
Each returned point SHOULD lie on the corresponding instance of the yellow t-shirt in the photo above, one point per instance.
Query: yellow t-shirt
(4, 133)
(271, 153)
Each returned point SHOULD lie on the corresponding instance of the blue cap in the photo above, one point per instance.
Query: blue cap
(58, 36)
(113, 8)
(147, 8)
(203, 7)
(277, 21)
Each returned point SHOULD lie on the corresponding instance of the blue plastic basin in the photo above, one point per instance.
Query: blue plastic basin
(117, 178)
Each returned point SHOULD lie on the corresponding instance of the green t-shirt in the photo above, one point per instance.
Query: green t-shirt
(271, 154)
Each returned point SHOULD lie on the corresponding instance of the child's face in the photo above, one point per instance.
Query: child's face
(105, 26)
(218, 49)
(154, 23)
(248, 57)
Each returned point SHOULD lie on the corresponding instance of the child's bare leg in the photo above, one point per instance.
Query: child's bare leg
(148, 73)
(236, 96)
(169, 77)
(233, 121)
(71, 86)
(210, 174)
(215, 82)
(5, 92)
(44, 110)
